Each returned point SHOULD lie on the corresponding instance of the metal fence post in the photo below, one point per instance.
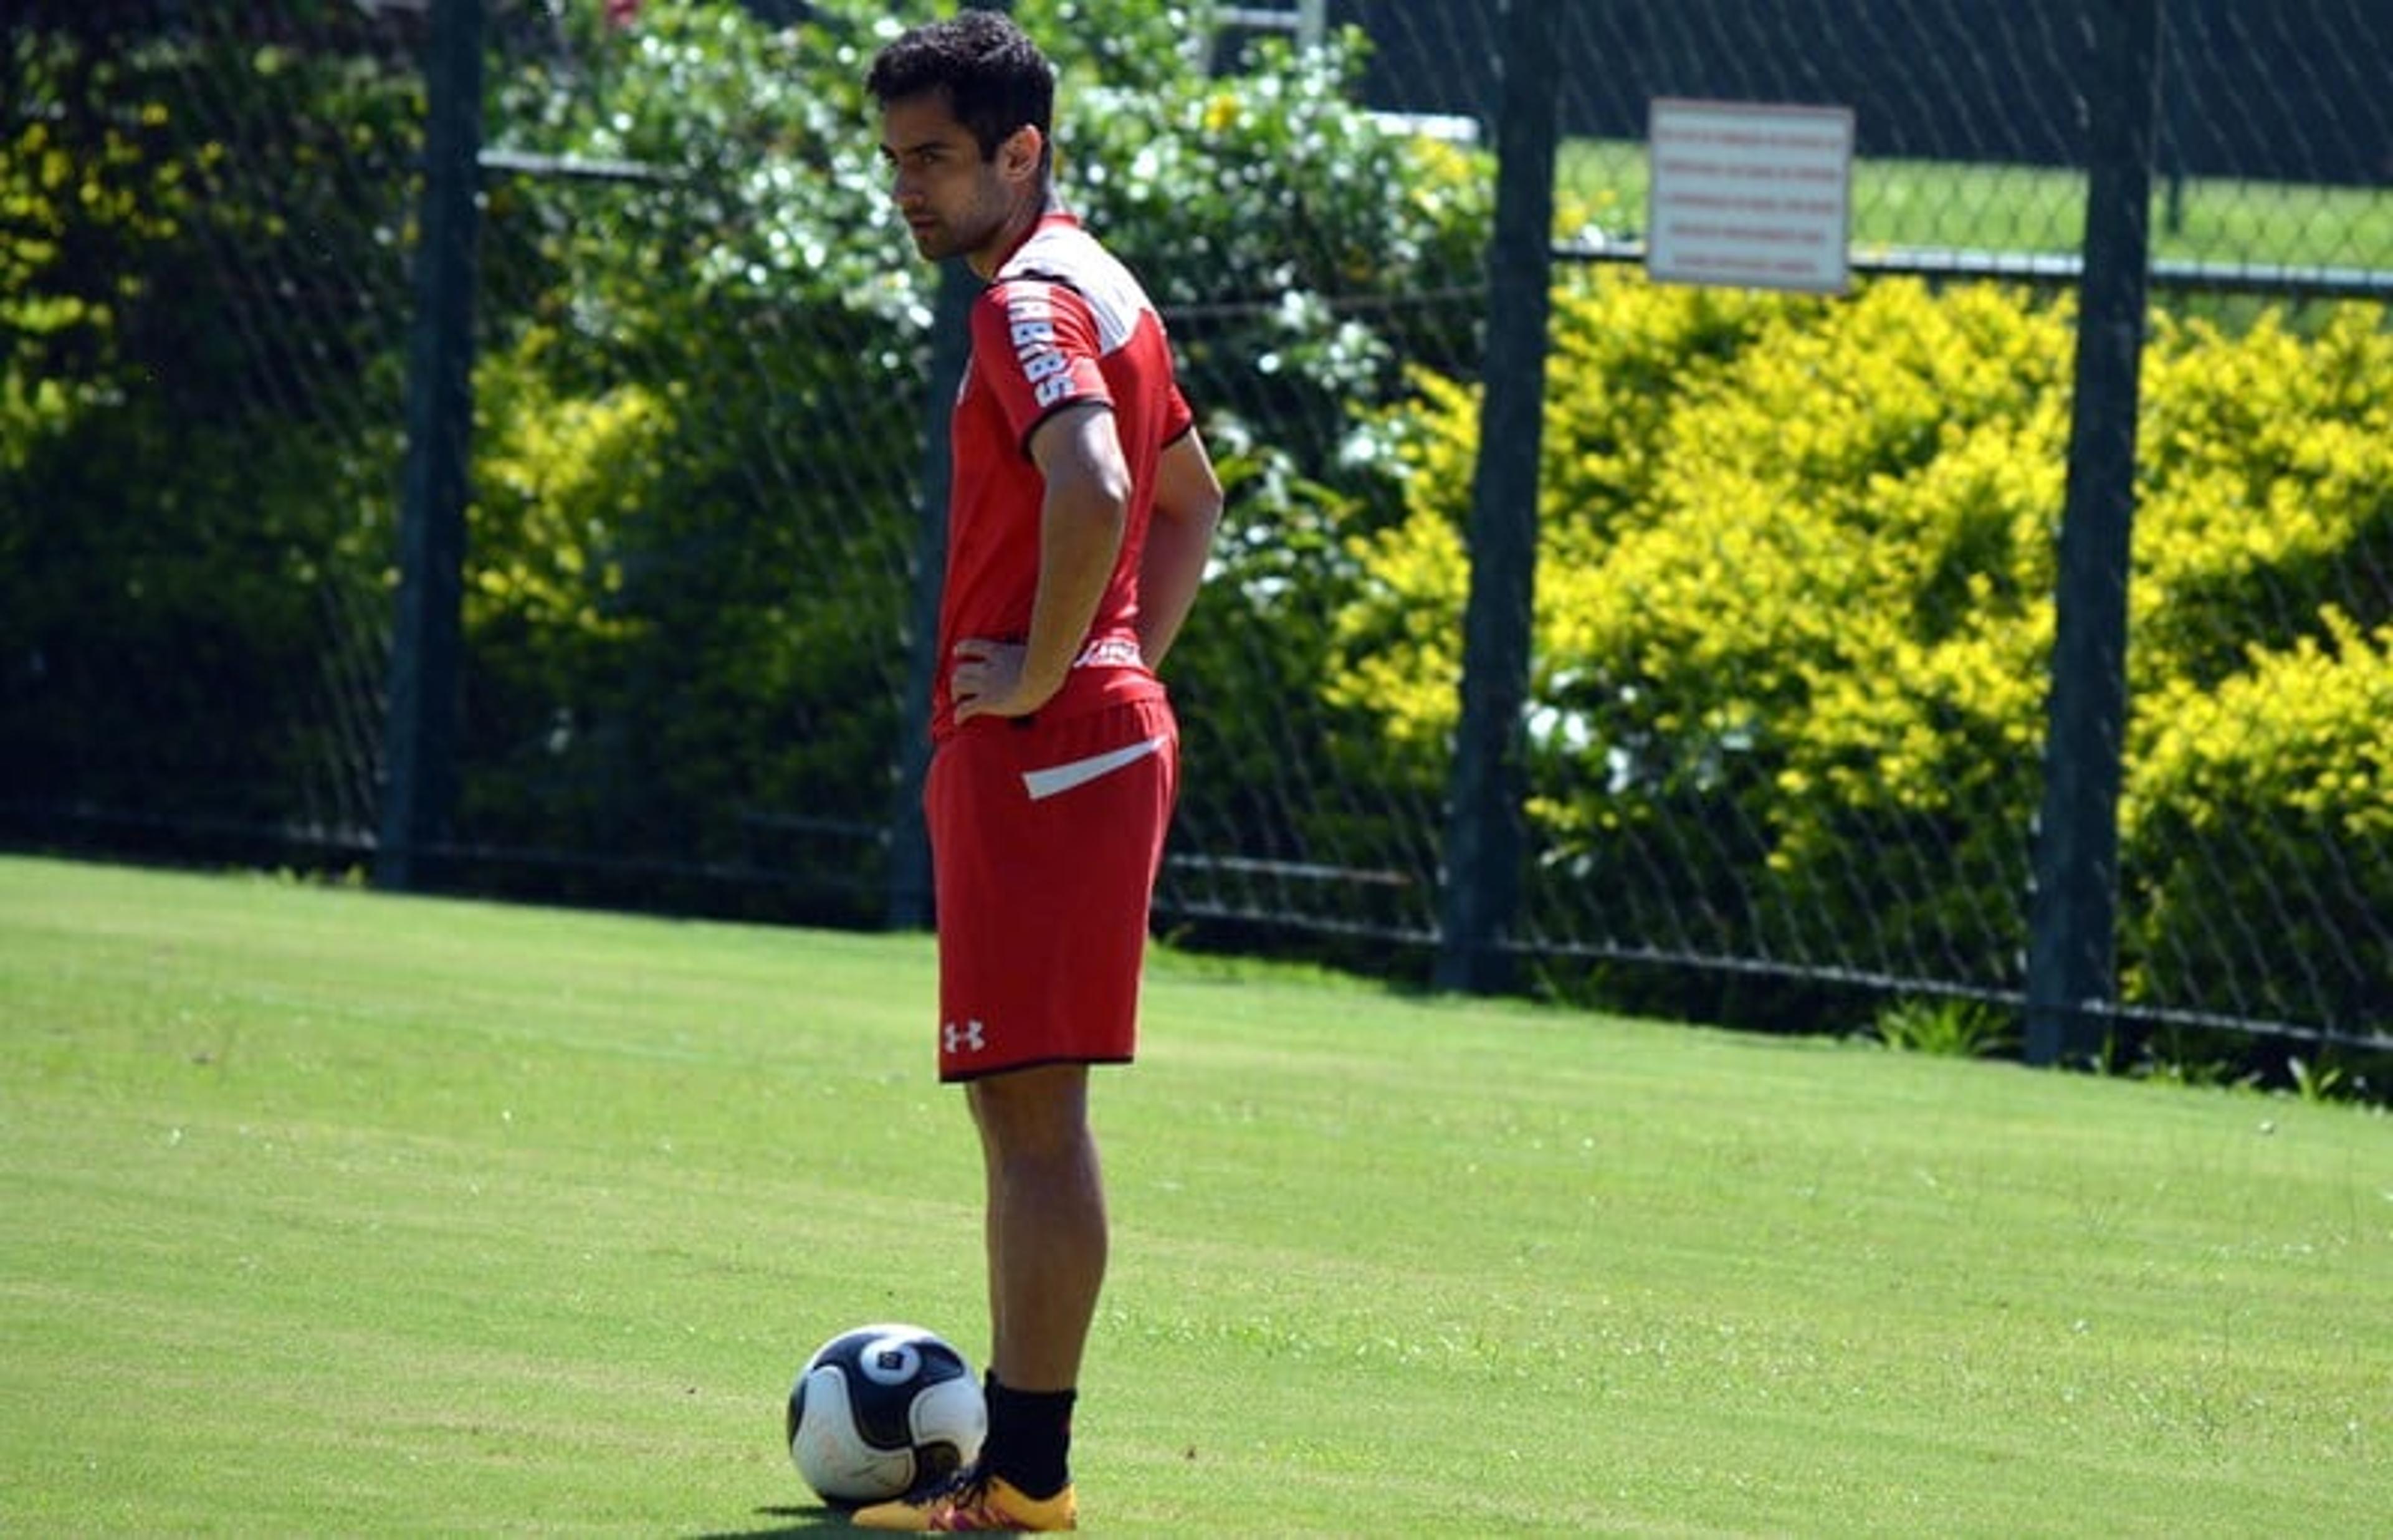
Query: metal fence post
(1486, 842)
(2072, 964)
(419, 789)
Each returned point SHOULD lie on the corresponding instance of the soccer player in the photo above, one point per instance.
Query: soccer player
(1083, 509)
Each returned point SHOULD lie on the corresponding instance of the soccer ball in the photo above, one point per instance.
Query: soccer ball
(881, 1410)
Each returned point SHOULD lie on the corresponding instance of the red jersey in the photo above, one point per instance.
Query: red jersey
(1063, 324)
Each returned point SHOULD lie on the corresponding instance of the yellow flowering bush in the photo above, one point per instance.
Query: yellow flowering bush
(2261, 811)
(1794, 622)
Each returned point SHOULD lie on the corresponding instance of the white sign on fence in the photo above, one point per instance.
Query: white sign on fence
(1749, 196)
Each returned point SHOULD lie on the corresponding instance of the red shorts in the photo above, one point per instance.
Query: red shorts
(1045, 841)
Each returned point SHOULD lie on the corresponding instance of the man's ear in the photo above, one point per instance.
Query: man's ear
(1018, 155)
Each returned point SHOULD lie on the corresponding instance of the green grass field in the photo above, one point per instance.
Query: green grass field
(330, 1212)
(2015, 208)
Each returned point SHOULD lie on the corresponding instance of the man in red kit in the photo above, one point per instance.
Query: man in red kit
(1083, 509)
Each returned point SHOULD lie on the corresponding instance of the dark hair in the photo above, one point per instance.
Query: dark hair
(994, 77)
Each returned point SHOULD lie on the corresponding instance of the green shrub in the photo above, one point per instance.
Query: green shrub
(1793, 618)
(199, 406)
(2265, 463)
(2260, 818)
(2258, 807)
(1306, 256)
(714, 455)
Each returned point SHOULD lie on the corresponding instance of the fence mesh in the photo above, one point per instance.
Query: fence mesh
(700, 437)
(1971, 143)
(206, 315)
(703, 393)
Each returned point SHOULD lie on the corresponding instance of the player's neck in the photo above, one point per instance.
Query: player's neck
(1013, 232)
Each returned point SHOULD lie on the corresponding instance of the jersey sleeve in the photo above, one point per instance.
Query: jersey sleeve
(1035, 345)
(1178, 416)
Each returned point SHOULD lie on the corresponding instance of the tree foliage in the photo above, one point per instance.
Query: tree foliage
(741, 332)
(200, 286)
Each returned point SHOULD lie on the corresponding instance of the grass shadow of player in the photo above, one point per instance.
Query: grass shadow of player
(819, 1519)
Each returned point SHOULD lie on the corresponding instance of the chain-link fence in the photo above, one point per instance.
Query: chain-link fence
(1782, 735)
(1973, 129)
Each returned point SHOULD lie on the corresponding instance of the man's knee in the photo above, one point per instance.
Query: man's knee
(1033, 1113)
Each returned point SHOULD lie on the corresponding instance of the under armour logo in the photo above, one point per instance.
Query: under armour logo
(970, 1037)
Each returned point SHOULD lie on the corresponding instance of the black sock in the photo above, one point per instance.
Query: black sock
(1029, 1438)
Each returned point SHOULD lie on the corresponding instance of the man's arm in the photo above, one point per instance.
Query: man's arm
(1179, 541)
(1080, 526)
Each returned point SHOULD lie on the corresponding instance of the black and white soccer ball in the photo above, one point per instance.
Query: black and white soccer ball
(884, 1409)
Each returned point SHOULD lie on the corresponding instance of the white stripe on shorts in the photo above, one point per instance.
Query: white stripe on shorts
(1042, 784)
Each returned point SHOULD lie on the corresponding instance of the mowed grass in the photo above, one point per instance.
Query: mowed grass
(336, 1212)
(1898, 204)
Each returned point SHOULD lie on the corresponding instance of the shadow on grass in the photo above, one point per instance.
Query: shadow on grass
(816, 1520)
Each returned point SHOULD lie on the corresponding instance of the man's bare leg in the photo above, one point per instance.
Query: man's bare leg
(1047, 1232)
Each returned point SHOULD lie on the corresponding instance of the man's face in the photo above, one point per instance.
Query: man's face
(954, 202)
